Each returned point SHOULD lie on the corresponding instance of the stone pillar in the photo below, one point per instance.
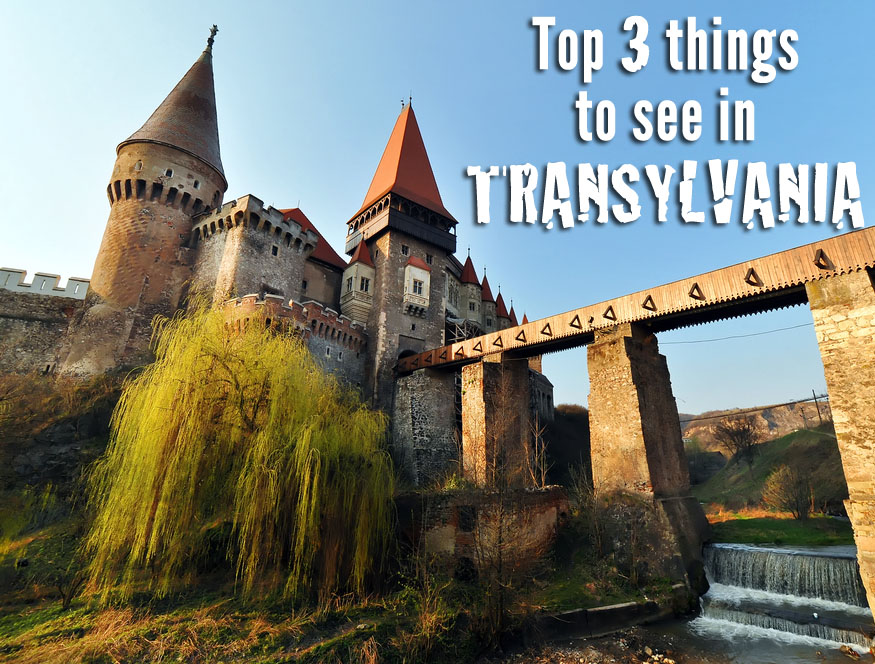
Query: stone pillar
(843, 308)
(635, 438)
(495, 421)
(424, 439)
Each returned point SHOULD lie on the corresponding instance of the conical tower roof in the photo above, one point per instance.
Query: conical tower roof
(512, 316)
(405, 169)
(485, 291)
(362, 255)
(469, 274)
(186, 119)
(500, 309)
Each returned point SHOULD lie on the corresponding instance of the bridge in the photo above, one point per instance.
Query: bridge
(635, 438)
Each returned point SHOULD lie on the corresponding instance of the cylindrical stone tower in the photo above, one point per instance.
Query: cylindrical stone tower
(167, 172)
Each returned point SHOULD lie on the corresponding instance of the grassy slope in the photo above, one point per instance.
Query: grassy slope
(813, 450)
(736, 487)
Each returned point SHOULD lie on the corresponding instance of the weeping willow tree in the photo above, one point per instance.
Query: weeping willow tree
(243, 428)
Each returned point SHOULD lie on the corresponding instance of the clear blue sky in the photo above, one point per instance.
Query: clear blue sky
(307, 95)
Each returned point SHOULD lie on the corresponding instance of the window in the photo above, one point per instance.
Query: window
(349, 284)
(429, 259)
(169, 172)
(413, 327)
(304, 285)
(471, 306)
(274, 250)
(405, 250)
(197, 184)
(489, 322)
(417, 287)
(365, 285)
(328, 351)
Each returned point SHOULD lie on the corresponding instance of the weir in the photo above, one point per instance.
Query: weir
(809, 593)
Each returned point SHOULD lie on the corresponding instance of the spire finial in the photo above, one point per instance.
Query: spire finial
(212, 37)
(469, 251)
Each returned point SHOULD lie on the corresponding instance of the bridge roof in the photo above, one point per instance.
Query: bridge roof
(762, 284)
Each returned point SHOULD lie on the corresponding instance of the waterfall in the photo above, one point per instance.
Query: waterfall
(814, 594)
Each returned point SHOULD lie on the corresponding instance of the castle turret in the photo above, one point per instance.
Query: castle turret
(501, 312)
(408, 231)
(165, 173)
(471, 292)
(356, 297)
(490, 321)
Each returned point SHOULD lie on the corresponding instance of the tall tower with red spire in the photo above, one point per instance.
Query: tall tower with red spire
(409, 234)
(165, 173)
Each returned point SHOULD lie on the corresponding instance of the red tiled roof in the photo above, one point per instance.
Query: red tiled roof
(469, 276)
(485, 292)
(418, 262)
(500, 309)
(186, 119)
(362, 255)
(512, 316)
(405, 169)
(525, 318)
(323, 251)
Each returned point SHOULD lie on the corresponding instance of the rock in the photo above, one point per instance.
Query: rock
(847, 651)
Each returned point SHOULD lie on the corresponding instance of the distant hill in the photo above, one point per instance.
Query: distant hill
(814, 452)
(772, 421)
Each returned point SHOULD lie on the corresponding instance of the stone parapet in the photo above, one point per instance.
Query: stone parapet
(42, 284)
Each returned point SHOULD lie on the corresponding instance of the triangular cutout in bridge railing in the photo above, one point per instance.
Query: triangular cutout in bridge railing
(609, 313)
(521, 336)
(822, 261)
(547, 331)
(649, 304)
(498, 343)
(459, 353)
(696, 292)
(752, 278)
(575, 323)
(478, 347)
(443, 354)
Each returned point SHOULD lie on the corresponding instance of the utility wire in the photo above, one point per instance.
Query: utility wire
(758, 409)
(736, 336)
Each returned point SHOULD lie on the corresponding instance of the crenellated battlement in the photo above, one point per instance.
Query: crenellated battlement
(310, 318)
(249, 212)
(43, 284)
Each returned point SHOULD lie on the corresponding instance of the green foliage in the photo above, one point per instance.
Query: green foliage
(239, 427)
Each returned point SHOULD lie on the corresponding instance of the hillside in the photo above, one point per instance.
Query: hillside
(772, 422)
(813, 451)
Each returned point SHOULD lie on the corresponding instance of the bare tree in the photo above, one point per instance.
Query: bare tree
(789, 490)
(739, 436)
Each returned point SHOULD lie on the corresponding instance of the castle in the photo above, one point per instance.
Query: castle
(170, 234)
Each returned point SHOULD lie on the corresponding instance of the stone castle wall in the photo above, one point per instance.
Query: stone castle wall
(245, 247)
(32, 329)
(335, 341)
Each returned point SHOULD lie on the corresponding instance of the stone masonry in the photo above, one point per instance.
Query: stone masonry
(843, 308)
(495, 421)
(635, 437)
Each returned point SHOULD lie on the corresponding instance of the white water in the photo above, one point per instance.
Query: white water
(796, 596)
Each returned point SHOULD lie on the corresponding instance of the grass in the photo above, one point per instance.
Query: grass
(818, 530)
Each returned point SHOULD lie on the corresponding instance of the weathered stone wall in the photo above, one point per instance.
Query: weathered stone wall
(323, 284)
(495, 421)
(469, 529)
(392, 331)
(32, 328)
(541, 391)
(245, 247)
(636, 444)
(335, 341)
(423, 426)
(636, 438)
(843, 308)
